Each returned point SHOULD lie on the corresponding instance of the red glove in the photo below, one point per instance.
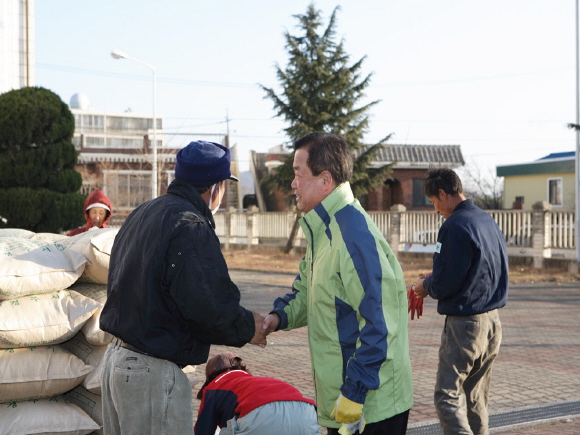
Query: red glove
(414, 303)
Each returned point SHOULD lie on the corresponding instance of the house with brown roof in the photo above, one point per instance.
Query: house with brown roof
(409, 163)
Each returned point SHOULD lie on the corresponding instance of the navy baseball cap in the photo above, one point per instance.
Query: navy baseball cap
(203, 163)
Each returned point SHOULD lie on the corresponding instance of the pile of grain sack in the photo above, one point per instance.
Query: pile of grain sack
(52, 291)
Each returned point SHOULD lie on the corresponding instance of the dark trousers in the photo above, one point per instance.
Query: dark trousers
(396, 425)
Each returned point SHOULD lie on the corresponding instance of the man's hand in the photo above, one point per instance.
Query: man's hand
(270, 323)
(418, 289)
(259, 337)
(346, 411)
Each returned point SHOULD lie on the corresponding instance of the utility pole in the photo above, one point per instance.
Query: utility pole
(577, 129)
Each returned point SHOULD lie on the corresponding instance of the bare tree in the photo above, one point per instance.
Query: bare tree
(482, 185)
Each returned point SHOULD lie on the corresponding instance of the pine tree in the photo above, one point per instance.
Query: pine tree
(38, 182)
(320, 93)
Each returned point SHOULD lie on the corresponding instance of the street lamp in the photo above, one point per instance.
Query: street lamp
(116, 54)
(577, 161)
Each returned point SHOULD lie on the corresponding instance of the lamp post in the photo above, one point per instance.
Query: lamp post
(116, 54)
(577, 162)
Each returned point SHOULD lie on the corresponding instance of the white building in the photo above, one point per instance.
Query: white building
(16, 44)
(115, 155)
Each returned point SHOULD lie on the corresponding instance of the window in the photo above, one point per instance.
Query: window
(124, 142)
(419, 197)
(94, 142)
(89, 122)
(128, 189)
(555, 191)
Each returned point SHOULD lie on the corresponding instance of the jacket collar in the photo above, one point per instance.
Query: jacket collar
(188, 192)
(320, 215)
(468, 203)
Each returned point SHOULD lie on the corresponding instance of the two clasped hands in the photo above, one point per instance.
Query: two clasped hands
(264, 326)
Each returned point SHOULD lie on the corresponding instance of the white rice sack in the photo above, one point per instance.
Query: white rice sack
(96, 246)
(91, 328)
(49, 318)
(55, 416)
(34, 266)
(48, 237)
(36, 372)
(16, 232)
(90, 355)
(91, 403)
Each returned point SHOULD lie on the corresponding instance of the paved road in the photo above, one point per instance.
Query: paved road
(538, 367)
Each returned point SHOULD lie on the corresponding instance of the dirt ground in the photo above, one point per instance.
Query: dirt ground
(271, 260)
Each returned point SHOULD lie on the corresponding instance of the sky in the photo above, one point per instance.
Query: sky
(495, 77)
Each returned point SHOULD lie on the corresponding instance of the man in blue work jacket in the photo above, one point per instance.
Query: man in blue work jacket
(470, 283)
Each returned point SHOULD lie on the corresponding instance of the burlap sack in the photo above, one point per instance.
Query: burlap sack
(96, 246)
(90, 355)
(91, 329)
(16, 232)
(35, 266)
(55, 416)
(48, 237)
(37, 372)
(91, 403)
(44, 319)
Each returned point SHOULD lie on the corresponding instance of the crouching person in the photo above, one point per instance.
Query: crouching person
(243, 404)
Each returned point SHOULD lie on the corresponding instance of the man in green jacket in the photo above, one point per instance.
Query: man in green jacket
(351, 293)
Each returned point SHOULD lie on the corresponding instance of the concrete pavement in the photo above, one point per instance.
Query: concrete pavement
(536, 377)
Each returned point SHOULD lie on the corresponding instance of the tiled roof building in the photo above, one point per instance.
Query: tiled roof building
(405, 186)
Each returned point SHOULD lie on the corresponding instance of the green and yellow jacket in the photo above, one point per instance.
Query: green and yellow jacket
(351, 294)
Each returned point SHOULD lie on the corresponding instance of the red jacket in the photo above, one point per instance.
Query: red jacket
(236, 393)
(97, 197)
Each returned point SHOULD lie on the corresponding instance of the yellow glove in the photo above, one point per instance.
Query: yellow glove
(350, 428)
(346, 411)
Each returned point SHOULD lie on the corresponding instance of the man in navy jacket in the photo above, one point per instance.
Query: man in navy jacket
(169, 297)
(470, 283)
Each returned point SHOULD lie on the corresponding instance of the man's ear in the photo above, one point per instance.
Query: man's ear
(326, 178)
(218, 187)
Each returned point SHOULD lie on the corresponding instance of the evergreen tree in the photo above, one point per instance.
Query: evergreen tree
(320, 93)
(38, 182)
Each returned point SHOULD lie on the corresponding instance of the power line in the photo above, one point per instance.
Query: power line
(181, 81)
(473, 79)
(142, 78)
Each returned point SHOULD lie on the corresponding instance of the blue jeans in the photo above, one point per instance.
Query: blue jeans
(469, 346)
(144, 395)
(279, 418)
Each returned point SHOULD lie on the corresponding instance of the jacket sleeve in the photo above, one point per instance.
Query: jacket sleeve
(206, 422)
(216, 408)
(365, 274)
(199, 285)
(292, 308)
(451, 264)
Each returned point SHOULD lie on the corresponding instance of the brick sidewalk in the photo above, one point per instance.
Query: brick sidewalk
(570, 427)
(538, 364)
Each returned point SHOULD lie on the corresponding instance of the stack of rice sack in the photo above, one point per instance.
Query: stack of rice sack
(52, 290)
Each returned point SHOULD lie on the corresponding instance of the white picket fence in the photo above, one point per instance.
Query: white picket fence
(549, 234)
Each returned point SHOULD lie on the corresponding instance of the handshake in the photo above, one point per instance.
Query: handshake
(264, 326)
